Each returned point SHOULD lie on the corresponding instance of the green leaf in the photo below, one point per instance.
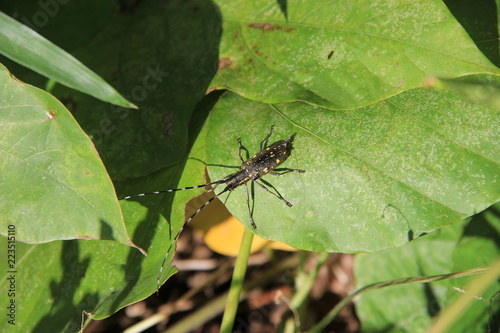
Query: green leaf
(55, 282)
(411, 308)
(54, 186)
(340, 54)
(25, 46)
(376, 177)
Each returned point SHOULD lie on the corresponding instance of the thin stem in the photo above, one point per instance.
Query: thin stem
(419, 279)
(301, 295)
(216, 305)
(304, 283)
(476, 287)
(240, 269)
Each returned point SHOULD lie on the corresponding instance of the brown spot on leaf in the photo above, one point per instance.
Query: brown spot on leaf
(51, 115)
(262, 26)
(224, 63)
(84, 237)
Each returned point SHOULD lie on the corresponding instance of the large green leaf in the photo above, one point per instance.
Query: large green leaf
(55, 282)
(411, 308)
(376, 177)
(23, 45)
(340, 54)
(53, 183)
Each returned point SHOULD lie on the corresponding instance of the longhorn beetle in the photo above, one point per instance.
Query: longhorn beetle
(265, 161)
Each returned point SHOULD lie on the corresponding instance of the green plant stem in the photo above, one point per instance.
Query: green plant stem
(304, 283)
(476, 287)
(216, 305)
(419, 279)
(240, 269)
(301, 295)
